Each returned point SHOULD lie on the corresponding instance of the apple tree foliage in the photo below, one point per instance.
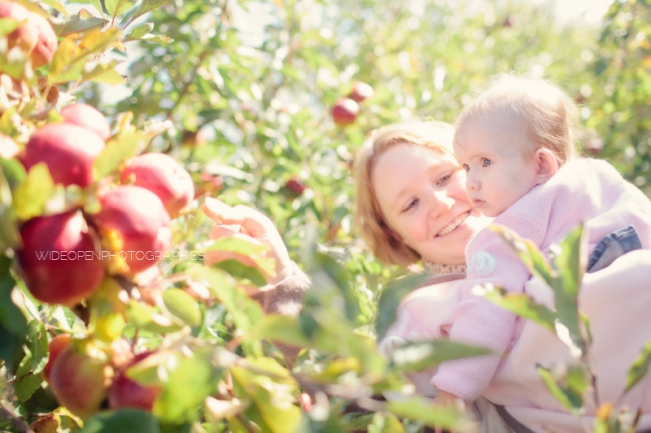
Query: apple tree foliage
(240, 93)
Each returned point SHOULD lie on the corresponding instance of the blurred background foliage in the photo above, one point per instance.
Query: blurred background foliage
(249, 86)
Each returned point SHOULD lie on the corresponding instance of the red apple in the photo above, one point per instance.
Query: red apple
(162, 175)
(56, 345)
(136, 221)
(508, 21)
(361, 91)
(35, 36)
(595, 145)
(127, 393)
(45, 424)
(295, 185)
(88, 117)
(67, 150)
(208, 184)
(46, 43)
(345, 111)
(58, 260)
(79, 382)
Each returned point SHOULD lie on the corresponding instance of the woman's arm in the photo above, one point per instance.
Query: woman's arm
(283, 295)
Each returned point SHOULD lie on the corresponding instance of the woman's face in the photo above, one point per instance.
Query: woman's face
(422, 195)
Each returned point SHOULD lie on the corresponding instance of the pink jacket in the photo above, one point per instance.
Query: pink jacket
(617, 300)
(583, 190)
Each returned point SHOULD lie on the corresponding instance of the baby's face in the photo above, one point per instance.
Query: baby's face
(498, 157)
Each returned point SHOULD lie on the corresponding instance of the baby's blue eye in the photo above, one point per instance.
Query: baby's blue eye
(486, 162)
(466, 167)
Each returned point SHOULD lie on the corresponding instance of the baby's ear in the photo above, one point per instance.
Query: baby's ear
(546, 164)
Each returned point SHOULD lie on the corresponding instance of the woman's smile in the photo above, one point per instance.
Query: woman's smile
(453, 225)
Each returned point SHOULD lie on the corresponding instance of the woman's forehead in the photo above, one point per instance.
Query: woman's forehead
(415, 151)
(403, 164)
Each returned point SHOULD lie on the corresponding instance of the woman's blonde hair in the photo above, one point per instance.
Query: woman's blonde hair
(370, 222)
(549, 114)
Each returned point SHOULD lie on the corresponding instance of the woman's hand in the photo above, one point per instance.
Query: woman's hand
(252, 226)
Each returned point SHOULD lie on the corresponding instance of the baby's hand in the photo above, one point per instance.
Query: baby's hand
(446, 399)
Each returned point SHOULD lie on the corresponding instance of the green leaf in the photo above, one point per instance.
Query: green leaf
(118, 7)
(123, 421)
(10, 315)
(246, 273)
(37, 340)
(31, 196)
(527, 251)
(146, 371)
(26, 385)
(639, 368)
(9, 236)
(391, 296)
(246, 312)
(8, 25)
(99, 5)
(282, 329)
(139, 32)
(385, 423)
(58, 6)
(336, 368)
(13, 325)
(10, 345)
(144, 7)
(13, 170)
(78, 23)
(64, 67)
(183, 306)
(339, 275)
(418, 356)
(570, 263)
(567, 388)
(328, 331)
(118, 150)
(107, 311)
(421, 410)
(248, 249)
(272, 409)
(524, 306)
(145, 317)
(70, 58)
(189, 383)
(157, 39)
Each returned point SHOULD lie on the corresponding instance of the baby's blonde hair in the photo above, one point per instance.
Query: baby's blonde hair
(550, 115)
(368, 217)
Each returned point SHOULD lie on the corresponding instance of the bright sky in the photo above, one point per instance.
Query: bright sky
(591, 11)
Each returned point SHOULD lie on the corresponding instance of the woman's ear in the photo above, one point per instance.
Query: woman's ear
(546, 164)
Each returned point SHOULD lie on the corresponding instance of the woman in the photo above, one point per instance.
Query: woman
(411, 206)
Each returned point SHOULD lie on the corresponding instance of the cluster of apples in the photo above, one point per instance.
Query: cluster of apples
(65, 257)
(346, 110)
(83, 384)
(34, 36)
